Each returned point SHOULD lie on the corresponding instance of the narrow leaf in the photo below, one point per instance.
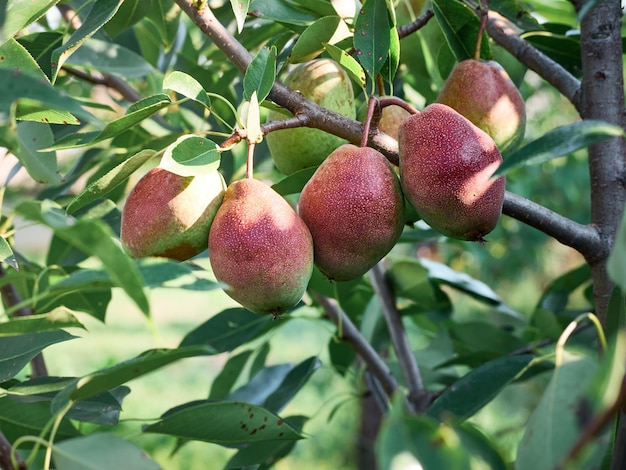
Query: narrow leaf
(348, 63)
(110, 58)
(101, 12)
(230, 423)
(485, 382)
(254, 135)
(559, 142)
(223, 383)
(240, 9)
(55, 320)
(20, 14)
(260, 74)
(326, 30)
(111, 180)
(371, 36)
(17, 351)
(6, 254)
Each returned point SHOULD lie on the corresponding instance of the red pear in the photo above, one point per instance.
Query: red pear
(354, 207)
(260, 249)
(446, 169)
(169, 215)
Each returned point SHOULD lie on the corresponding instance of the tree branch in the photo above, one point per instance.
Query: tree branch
(11, 297)
(503, 32)
(583, 238)
(363, 348)
(413, 26)
(418, 396)
(6, 450)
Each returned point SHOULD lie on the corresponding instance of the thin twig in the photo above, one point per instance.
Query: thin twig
(362, 347)
(11, 297)
(418, 396)
(419, 23)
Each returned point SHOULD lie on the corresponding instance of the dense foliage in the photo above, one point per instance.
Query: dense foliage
(503, 354)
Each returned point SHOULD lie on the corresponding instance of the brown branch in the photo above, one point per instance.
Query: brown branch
(363, 348)
(583, 238)
(418, 396)
(420, 22)
(503, 32)
(11, 297)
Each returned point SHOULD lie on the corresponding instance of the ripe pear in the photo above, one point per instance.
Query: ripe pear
(391, 119)
(169, 215)
(260, 249)
(446, 165)
(484, 93)
(324, 82)
(354, 207)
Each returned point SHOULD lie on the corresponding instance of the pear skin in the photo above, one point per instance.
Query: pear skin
(354, 207)
(446, 168)
(169, 215)
(260, 249)
(484, 93)
(324, 82)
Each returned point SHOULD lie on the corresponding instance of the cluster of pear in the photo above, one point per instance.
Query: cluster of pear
(350, 213)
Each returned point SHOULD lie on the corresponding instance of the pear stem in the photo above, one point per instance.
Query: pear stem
(483, 11)
(250, 161)
(372, 118)
(395, 101)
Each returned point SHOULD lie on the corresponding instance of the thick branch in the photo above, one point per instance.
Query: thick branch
(418, 396)
(503, 32)
(583, 238)
(5, 456)
(363, 348)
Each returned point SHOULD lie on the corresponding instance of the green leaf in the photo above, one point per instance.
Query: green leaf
(478, 387)
(165, 15)
(100, 451)
(559, 418)
(563, 49)
(260, 74)
(556, 296)
(223, 383)
(109, 181)
(229, 329)
(348, 63)
(240, 9)
(281, 12)
(110, 58)
(101, 12)
(36, 111)
(187, 86)
(616, 313)
(293, 381)
(310, 44)
(136, 113)
(17, 351)
(32, 138)
(191, 155)
(558, 142)
(16, 57)
(460, 26)
(294, 183)
(407, 441)
(6, 254)
(129, 13)
(371, 36)
(230, 423)
(55, 320)
(19, 419)
(114, 376)
(20, 14)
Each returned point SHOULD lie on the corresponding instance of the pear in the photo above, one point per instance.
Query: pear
(324, 82)
(260, 249)
(484, 93)
(392, 117)
(354, 207)
(446, 169)
(169, 215)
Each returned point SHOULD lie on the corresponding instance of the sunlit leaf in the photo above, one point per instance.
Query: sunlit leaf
(191, 155)
(20, 14)
(348, 63)
(6, 254)
(187, 86)
(260, 74)
(326, 30)
(559, 142)
(240, 9)
(55, 320)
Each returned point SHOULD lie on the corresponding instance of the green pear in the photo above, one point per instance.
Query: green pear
(446, 169)
(260, 249)
(324, 82)
(392, 117)
(354, 208)
(169, 215)
(484, 93)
